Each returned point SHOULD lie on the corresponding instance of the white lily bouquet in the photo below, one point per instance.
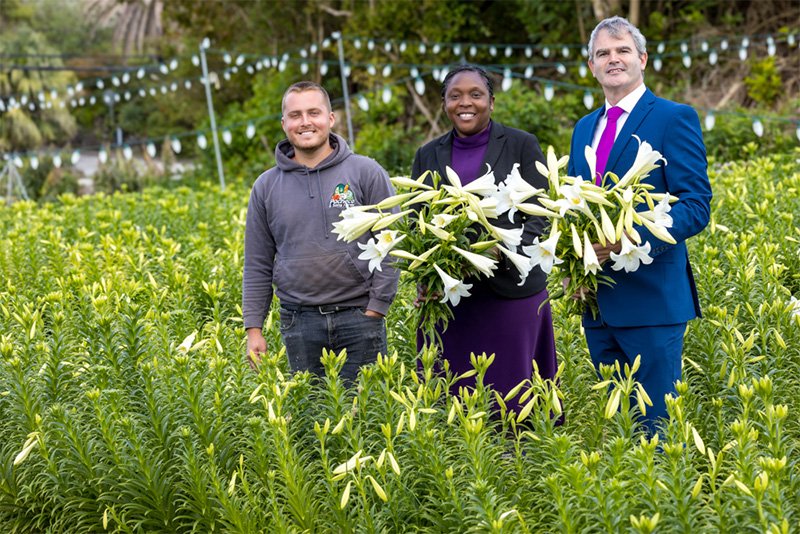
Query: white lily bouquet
(582, 213)
(442, 236)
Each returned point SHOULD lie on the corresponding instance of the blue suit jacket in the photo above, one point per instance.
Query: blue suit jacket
(663, 292)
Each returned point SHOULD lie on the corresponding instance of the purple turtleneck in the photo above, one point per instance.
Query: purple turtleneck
(468, 153)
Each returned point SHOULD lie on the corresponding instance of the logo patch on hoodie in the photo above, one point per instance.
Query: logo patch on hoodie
(342, 197)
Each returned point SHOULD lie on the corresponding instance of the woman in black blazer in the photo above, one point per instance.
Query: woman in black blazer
(500, 317)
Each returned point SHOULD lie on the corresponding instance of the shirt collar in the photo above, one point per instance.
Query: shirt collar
(630, 100)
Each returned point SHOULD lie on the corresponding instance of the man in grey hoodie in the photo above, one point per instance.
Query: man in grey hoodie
(328, 297)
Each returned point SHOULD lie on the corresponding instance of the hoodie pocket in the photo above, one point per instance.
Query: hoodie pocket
(323, 279)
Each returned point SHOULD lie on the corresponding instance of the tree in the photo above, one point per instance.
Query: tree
(31, 118)
(137, 23)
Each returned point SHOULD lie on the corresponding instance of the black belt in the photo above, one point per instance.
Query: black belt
(323, 309)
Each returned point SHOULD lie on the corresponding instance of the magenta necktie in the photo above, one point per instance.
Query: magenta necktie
(606, 142)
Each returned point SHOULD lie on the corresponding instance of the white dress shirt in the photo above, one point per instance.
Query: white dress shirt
(627, 104)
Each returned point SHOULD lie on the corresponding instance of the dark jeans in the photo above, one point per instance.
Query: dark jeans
(305, 333)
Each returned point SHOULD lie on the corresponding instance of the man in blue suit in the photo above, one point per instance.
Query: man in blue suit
(646, 311)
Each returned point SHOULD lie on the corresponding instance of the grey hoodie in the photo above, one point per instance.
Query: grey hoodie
(288, 241)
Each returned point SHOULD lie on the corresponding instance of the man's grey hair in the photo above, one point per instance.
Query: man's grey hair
(617, 27)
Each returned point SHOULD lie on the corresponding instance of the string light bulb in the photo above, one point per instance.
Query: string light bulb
(710, 121)
(758, 127)
(588, 100)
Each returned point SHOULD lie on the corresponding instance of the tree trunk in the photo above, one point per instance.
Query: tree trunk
(579, 16)
(605, 8)
(633, 13)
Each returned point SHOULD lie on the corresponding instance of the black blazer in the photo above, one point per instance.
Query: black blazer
(507, 146)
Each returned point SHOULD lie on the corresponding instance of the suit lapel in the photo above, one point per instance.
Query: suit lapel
(583, 138)
(639, 112)
(497, 141)
(444, 152)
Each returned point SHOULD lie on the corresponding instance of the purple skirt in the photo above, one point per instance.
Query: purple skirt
(514, 330)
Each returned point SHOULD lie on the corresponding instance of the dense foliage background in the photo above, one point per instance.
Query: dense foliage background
(258, 47)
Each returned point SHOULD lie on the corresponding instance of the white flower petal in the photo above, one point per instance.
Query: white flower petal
(484, 264)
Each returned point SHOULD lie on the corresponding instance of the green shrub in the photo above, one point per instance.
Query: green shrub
(764, 84)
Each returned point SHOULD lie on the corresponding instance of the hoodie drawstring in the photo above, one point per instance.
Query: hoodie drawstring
(308, 183)
(325, 224)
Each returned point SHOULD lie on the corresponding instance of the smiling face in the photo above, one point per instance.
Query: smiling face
(617, 65)
(467, 103)
(307, 121)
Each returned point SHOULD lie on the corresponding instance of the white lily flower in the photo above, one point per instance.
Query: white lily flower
(442, 234)
(405, 255)
(553, 165)
(538, 211)
(385, 221)
(576, 240)
(661, 215)
(187, 342)
(376, 249)
(483, 263)
(590, 261)
(544, 254)
(424, 196)
(371, 253)
(452, 177)
(441, 220)
(609, 231)
(404, 181)
(631, 256)
(503, 198)
(480, 210)
(484, 186)
(453, 289)
(488, 206)
(658, 231)
(646, 160)
(591, 160)
(522, 263)
(422, 258)
(513, 192)
(395, 200)
(31, 443)
(354, 223)
(573, 197)
(595, 195)
(627, 195)
(510, 237)
(794, 310)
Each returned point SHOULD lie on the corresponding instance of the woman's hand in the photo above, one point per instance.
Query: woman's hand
(423, 296)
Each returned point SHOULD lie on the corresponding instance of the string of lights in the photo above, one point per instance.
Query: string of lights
(115, 87)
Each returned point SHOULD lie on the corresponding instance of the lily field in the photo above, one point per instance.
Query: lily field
(126, 404)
